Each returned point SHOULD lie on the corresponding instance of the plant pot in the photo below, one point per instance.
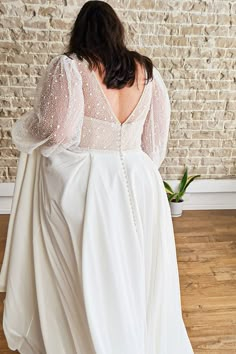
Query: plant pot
(176, 208)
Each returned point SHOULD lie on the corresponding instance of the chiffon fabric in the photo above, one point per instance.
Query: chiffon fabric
(90, 263)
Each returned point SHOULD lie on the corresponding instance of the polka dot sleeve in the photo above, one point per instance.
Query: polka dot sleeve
(156, 127)
(55, 121)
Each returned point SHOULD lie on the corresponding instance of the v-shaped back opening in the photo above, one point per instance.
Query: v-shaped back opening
(109, 104)
(101, 90)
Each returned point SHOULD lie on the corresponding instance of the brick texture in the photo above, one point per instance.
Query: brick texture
(192, 43)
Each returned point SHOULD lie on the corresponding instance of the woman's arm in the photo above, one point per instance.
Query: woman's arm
(57, 114)
(156, 127)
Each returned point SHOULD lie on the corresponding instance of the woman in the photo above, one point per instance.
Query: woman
(90, 263)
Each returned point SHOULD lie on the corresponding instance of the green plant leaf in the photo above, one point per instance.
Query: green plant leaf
(168, 188)
(183, 181)
(173, 196)
(180, 195)
(190, 179)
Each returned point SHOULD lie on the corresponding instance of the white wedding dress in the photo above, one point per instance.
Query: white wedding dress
(90, 262)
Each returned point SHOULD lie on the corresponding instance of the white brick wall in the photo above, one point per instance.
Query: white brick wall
(193, 43)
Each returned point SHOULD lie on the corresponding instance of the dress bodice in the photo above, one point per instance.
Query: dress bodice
(101, 134)
(72, 112)
(101, 129)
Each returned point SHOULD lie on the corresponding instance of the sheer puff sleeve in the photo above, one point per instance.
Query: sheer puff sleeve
(156, 127)
(55, 121)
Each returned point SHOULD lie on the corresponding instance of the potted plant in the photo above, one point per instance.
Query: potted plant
(175, 198)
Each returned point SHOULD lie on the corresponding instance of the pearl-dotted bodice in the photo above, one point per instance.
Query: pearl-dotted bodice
(101, 129)
(99, 134)
(72, 112)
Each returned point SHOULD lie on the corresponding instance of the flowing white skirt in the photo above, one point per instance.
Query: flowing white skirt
(90, 263)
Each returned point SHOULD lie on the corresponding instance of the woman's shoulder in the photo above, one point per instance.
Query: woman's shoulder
(66, 61)
(62, 58)
(159, 79)
(57, 61)
(71, 57)
(62, 68)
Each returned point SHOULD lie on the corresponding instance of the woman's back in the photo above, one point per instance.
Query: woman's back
(123, 101)
(112, 120)
(73, 110)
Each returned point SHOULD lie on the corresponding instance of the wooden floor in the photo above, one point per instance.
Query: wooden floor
(206, 252)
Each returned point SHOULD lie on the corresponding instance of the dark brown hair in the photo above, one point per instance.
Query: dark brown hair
(98, 36)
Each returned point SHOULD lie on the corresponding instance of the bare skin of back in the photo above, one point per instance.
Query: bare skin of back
(123, 101)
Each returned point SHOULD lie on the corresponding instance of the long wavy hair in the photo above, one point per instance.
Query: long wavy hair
(98, 36)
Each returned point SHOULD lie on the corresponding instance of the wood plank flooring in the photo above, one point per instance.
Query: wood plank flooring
(206, 253)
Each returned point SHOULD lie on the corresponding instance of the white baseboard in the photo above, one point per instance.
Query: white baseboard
(201, 195)
(6, 194)
(209, 194)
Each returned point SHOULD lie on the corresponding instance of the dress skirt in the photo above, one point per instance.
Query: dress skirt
(90, 262)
